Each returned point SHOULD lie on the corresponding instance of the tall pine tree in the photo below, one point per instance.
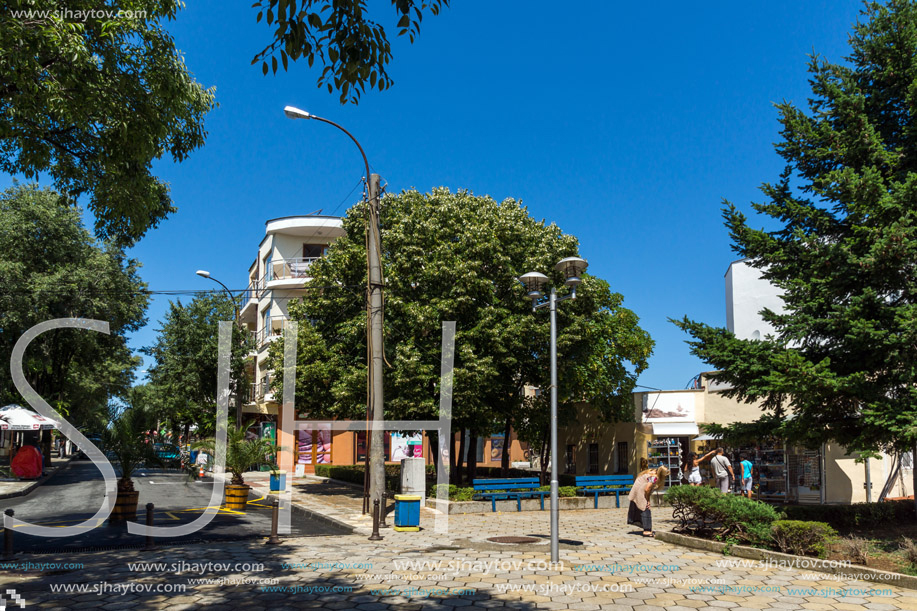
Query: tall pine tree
(843, 360)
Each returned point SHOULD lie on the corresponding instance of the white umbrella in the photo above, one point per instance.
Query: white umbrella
(17, 418)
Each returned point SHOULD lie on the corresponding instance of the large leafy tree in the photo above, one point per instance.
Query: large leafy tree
(52, 267)
(352, 49)
(843, 359)
(183, 373)
(453, 256)
(91, 93)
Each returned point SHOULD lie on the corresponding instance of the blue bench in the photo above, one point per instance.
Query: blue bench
(598, 484)
(504, 489)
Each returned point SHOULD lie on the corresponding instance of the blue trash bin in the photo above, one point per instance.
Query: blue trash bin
(279, 481)
(407, 512)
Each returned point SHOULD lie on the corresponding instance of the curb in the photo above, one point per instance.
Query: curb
(309, 513)
(778, 559)
(38, 482)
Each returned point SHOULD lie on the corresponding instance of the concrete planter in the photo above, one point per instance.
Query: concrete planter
(564, 503)
(804, 563)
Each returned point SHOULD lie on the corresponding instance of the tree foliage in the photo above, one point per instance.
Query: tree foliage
(183, 375)
(352, 49)
(91, 93)
(53, 268)
(843, 360)
(456, 257)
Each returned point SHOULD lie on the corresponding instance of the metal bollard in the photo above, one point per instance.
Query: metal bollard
(149, 522)
(275, 516)
(375, 536)
(384, 511)
(8, 537)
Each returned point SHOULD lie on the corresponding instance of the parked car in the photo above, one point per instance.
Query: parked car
(169, 454)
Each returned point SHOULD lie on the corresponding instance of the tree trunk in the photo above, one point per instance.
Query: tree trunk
(434, 452)
(459, 460)
(504, 459)
(914, 475)
(472, 455)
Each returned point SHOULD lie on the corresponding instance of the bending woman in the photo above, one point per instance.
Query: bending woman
(638, 513)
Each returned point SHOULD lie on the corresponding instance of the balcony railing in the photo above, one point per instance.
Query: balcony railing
(273, 327)
(282, 269)
(258, 391)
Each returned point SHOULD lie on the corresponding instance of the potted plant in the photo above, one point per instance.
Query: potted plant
(124, 442)
(241, 454)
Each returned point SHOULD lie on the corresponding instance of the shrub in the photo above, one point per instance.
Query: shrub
(727, 517)
(803, 538)
(354, 474)
(455, 493)
(562, 491)
(856, 549)
(909, 547)
(857, 515)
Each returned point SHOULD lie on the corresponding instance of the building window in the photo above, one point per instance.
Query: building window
(570, 466)
(621, 458)
(593, 458)
(907, 460)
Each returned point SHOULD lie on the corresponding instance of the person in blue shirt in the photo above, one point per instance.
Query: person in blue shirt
(746, 475)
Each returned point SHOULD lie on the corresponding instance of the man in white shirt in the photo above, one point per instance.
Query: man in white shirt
(722, 470)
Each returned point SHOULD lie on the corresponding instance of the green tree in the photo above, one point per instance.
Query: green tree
(91, 93)
(454, 256)
(352, 49)
(843, 359)
(52, 267)
(183, 375)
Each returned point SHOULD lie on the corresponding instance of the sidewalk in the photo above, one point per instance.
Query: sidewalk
(604, 565)
(23, 487)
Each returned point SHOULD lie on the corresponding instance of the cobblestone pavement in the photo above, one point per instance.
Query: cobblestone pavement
(605, 565)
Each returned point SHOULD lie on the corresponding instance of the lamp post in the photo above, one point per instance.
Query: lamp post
(374, 405)
(572, 268)
(205, 274)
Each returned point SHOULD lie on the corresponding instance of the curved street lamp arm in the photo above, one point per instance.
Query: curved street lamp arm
(362, 152)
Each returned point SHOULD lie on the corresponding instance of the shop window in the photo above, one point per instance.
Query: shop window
(593, 458)
(313, 446)
(361, 446)
(570, 463)
(621, 457)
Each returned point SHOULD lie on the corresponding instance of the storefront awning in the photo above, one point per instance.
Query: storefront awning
(675, 429)
(18, 418)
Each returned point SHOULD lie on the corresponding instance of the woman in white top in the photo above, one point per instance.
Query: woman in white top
(691, 467)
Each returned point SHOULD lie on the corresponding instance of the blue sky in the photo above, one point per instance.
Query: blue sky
(627, 124)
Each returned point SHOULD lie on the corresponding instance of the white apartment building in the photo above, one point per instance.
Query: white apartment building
(279, 274)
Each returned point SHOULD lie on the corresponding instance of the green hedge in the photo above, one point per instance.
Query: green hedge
(803, 538)
(455, 493)
(858, 515)
(354, 474)
(728, 517)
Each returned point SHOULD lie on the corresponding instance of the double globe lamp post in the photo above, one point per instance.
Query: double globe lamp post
(572, 269)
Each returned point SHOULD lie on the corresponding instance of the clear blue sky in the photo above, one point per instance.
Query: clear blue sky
(624, 123)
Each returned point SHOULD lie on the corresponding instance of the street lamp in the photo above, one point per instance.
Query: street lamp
(572, 269)
(203, 273)
(374, 405)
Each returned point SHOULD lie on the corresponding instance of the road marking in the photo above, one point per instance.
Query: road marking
(173, 516)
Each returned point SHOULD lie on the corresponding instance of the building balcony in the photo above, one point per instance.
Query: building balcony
(289, 273)
(250, 297)
(273, 329)
(259, 392)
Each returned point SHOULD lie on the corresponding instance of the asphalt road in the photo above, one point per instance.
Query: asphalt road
(75, 494)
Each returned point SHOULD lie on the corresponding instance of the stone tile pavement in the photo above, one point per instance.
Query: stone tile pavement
(604, 565)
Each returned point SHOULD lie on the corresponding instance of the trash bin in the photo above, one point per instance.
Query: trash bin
(407, 512)
(278, 481)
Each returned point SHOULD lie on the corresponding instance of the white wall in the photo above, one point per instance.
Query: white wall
(746, 295)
